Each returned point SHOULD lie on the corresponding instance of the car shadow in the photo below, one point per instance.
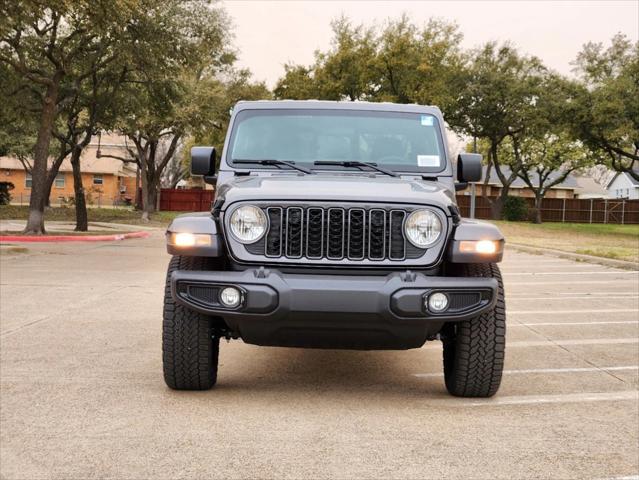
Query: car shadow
(285, 371)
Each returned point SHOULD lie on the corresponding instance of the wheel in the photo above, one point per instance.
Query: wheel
(474, 349)
(189, 348)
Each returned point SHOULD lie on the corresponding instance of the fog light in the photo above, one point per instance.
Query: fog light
(437, 302)
(230, 297)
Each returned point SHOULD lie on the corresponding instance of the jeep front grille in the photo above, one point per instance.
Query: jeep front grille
(335, 233)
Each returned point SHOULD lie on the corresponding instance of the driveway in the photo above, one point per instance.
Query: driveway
(82, 395)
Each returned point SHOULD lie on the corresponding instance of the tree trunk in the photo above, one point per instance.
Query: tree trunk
(150, 200)
(81, 216)
(538, 199)
(498, 204)
(138, 197)
(147, 205)
(38, 200)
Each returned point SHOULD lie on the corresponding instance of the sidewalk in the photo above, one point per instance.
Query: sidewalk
(16, 226)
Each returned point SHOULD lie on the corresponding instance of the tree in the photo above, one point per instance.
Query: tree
(347, 70)
(158, 111)
(44, 44)
(298, 83)
(238, 86)
(18, 115)
(91, 103)
(418, 65)
(497, 101)
(398, 62)
(606, 105)
(547, 160)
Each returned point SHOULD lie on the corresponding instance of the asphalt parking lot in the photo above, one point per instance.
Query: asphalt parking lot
(82, 395)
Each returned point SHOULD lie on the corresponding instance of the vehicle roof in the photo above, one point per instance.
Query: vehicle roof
(332, 105)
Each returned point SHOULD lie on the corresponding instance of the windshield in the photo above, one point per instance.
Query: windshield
(408, 142)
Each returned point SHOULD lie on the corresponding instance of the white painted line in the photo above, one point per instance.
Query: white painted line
(572, 282)
(593, 341)
(524, 296)
(563, 398)
(590, 272)
(558, 312)
(559, 324)
(554, 343)
(546, 370)
(581, 294)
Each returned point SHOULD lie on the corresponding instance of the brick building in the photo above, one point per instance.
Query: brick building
(106, 181)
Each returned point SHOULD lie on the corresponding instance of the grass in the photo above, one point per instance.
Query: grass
(111, 215)
(620, 242)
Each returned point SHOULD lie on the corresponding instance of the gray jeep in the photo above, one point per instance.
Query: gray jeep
(334, 225)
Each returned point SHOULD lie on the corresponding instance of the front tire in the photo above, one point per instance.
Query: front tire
(189, 349)
(474, 349)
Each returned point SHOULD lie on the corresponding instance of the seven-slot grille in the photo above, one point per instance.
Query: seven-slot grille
(335, 233)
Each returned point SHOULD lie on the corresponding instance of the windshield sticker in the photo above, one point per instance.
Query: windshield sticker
(427, 121)
(428, 160)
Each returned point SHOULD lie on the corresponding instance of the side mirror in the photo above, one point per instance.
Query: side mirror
(469, 167)
(203, 161)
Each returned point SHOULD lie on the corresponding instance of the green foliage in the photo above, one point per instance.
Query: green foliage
(397, 62)
(515, 209)
(5, 195)
(605, 107)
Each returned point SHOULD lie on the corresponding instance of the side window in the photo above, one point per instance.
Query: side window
(28, 181)
(59, 180)
(98, 180)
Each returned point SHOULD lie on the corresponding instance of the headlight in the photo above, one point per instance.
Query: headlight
(422, 228)
(248, 224)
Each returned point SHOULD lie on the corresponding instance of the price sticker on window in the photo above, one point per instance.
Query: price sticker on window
(427, 120)
(428, 160)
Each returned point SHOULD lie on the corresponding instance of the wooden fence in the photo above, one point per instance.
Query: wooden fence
(575, 210)
(552, 209)
(182, 200)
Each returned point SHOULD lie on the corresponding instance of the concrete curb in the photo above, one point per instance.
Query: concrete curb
(578, 257)
(71, 238)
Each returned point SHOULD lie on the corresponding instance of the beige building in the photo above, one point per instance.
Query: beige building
(106, 181)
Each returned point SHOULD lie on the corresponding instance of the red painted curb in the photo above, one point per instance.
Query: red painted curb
(72, 238)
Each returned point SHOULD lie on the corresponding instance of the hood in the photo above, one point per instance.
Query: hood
(338, 188)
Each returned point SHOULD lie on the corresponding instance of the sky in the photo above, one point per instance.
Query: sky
(269, 34)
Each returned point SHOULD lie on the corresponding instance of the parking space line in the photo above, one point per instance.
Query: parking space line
(572, 282)
(558, 312)
(547, 370)
(588, 341)
(555, 343)
(568, 295)
(545, 324)
(588, 272)
(575, 297)
(561, 398)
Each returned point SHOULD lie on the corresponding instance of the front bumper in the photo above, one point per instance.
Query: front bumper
(333, 311)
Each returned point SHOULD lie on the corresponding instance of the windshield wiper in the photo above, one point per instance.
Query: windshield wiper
(268, 161)
(356, 163)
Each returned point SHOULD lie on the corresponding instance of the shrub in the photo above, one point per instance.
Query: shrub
(515, 209)
(5, 196)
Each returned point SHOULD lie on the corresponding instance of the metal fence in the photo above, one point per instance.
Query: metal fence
(575, 210)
